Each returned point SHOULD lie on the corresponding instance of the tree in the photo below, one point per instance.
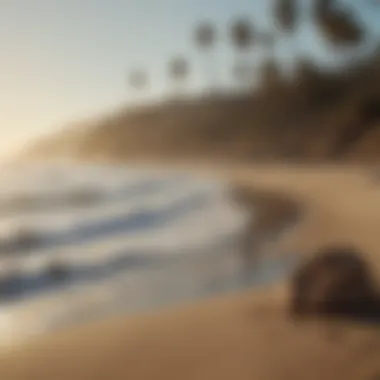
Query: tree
(285, 14)
(242, 34)
(286, 17)
(138, 79)
(205, 36)
(242, 37)
(338, 25)
(178, 71)
(322, 6)
(266, 40)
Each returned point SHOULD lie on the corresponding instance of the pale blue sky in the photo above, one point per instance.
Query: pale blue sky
(65, 60)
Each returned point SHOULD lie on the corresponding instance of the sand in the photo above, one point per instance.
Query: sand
(241, 336)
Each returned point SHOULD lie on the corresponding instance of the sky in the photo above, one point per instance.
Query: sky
(64, 61)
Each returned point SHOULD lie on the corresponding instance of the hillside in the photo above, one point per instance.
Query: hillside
(319, 115)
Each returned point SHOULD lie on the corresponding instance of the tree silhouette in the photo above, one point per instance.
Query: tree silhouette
(339, 26)
(138, 82)
(242, 37)
(285, 14)
(178, 71)
(267, 41)
(138, 79)
(205, 36)
(322, 6)
(286, 17)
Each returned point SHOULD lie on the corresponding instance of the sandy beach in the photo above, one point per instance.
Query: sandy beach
(241, 336)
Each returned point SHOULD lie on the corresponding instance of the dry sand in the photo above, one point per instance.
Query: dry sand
(242, 336)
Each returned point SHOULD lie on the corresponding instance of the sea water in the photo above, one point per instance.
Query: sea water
(79, 242)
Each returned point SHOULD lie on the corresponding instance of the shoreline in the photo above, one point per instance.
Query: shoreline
(272, 213)
(275, 216)
(241, 336)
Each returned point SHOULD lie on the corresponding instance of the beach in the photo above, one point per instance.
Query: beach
(244, 335)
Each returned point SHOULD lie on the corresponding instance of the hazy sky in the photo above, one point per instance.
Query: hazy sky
(64, 60)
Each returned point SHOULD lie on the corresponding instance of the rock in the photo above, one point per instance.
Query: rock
(336, 282)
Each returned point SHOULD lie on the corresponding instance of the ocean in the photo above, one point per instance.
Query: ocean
(82, 242)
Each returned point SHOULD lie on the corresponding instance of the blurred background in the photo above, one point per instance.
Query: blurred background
(85, 66)
(93, 92)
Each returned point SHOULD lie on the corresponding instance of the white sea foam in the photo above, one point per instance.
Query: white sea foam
(148, 238)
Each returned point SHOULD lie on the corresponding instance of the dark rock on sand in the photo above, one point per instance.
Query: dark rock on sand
(335, 282)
